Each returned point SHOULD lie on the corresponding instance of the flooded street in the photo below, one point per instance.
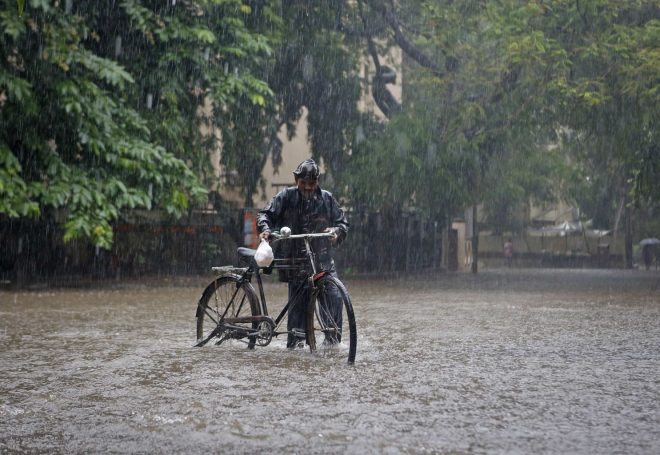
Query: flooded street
(509, 361)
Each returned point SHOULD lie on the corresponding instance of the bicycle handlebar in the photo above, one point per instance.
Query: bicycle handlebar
(302, 236)
(279, 236)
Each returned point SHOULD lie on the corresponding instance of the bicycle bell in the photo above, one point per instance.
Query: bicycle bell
(285, 232)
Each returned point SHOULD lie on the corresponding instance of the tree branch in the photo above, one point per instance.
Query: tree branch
(384, 99)
(406, 46)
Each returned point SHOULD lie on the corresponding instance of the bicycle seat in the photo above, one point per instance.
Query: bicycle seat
(246, 252)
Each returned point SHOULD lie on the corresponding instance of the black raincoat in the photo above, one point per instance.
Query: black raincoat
(304, 216)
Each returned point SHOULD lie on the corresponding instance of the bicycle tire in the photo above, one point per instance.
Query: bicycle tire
(339, 329)
(218, 296)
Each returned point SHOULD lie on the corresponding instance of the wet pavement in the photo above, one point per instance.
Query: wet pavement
(508, 361)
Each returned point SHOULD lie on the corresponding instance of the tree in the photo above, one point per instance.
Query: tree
(474, 100)
(316, 69)
(313, 68)
(495, 83)
(609, 97)
(101, 105)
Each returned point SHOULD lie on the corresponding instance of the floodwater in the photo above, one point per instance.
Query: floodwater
(509, 361)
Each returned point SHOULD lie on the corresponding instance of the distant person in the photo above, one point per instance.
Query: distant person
(306, 209)
(647, 253)
(508, 252)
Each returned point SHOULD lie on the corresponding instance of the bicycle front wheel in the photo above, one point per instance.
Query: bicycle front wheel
(229, 299)
(331, 329)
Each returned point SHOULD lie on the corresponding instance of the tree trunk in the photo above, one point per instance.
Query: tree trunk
(248, 197)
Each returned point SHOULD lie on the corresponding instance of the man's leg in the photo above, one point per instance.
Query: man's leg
(297, 314)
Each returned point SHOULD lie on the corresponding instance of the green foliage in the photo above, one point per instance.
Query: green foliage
(316, 68)
(313, 70)
(102, 107)
(506, 78)
(402, 166)
(15, 193)
(646, 176)
(469, 122)
(608, 97)
(119, 105)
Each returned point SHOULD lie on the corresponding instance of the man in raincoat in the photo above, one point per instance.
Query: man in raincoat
(305, 208)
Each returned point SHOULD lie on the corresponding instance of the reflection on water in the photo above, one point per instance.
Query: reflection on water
(505, 362)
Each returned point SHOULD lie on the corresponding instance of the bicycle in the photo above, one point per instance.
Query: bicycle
(229, 308)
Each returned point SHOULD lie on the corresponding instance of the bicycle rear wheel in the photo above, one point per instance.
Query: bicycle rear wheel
(331, 329)
(228, 296)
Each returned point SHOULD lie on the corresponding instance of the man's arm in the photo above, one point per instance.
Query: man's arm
(339, 221)
(270, 215)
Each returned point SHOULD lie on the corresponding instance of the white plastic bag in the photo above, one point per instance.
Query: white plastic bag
(264, 255)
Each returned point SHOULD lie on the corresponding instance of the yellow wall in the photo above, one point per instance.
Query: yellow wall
(297, 149)
(293, 153)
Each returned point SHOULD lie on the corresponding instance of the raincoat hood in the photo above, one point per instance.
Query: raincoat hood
(307, 170)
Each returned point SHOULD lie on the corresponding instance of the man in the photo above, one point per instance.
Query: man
(647, 254)
(305, 208)
(508, 252)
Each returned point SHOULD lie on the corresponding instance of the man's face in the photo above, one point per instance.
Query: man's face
(307, 187)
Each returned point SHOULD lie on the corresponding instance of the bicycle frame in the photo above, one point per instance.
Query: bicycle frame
(253, 269)
(311, 257)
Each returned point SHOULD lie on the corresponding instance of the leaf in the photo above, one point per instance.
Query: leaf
(12, 25)
(257, 99)
(204, 35)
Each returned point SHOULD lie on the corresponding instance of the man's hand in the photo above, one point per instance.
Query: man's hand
(265, 235)
(333, 231)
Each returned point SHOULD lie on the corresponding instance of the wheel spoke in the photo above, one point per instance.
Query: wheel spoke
(227, 308)
(333, 316)
(206, 311)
